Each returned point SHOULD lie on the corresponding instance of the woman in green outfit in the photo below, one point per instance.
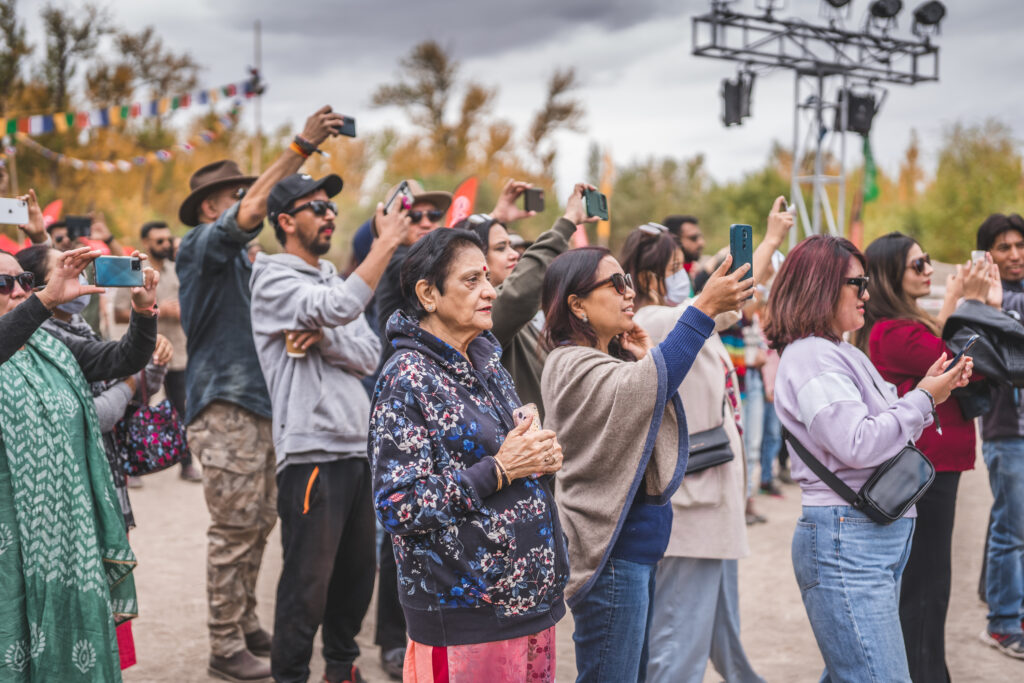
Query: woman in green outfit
(65, 563)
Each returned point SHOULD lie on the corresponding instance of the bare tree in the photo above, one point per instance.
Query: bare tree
(15, 49)
(71, 37)
(559, 112)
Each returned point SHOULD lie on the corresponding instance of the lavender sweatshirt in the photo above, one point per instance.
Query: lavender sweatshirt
(830, 397)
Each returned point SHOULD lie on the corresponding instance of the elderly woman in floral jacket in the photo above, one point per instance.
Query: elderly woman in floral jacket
(463, 490)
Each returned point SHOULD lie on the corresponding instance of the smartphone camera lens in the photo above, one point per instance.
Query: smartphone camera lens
(136, 264)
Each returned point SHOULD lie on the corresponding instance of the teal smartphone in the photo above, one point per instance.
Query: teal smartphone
(118, 271)
(741, 246)
(596, 203)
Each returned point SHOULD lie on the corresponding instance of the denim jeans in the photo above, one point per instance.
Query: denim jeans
(753, 421)
(848, 569)
(1004, 577)
(613, 624)
(771, 441)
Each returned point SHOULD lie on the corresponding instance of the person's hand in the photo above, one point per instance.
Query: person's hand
(144, 297)
(780, 222)
(321, 125)
(163, 352)
(941, 380)
(35, 229)
(725, 291)
(170, 308)
(954, 286)
(637, 341)
(575, 210)
(975, 279)
(506, 210)
(392, 228)
(305, 338)
(63, 284)
(995, 287)
(526, 452)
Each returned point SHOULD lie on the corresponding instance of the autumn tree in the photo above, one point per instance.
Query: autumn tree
(560, 111)
(71, 38)
(142, 62)
(13, 52)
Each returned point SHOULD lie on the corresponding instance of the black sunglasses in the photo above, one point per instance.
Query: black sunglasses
(433, 215)
(861, 283)
(26, 280)
(619, 281)
(319, 207)
(920, 262)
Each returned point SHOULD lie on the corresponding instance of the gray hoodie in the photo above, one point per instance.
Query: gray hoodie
(318, 402)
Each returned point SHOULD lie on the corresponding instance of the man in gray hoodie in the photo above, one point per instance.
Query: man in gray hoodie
(314, 345)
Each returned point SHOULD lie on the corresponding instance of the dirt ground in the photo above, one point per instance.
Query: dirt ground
(171, 631)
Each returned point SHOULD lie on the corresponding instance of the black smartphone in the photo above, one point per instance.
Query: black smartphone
(596, 203)
(967, 347)
(533, 200)
(348, 128)
(402, 191)
(741, 246)
(79, 226)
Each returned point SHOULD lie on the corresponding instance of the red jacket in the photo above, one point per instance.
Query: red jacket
(903, 350)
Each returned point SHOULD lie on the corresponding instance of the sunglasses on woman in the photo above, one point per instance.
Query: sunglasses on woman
(26, 280)
(653, 229)
(319, 207)
(861, 283)
(920, 262)
(619, 281)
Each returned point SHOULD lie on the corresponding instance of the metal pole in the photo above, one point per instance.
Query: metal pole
(257, 147)
(819, 162)
(795, 193)
(844, 118)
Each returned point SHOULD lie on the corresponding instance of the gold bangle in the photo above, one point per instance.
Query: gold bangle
(497, 471)
(508, 479)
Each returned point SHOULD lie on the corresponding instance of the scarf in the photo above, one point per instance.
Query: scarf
(65, 562)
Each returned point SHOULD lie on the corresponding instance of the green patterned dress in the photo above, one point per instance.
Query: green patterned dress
(65, 563)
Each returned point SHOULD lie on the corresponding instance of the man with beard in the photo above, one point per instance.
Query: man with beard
(314, 346)
(691, 240)
(157, 241)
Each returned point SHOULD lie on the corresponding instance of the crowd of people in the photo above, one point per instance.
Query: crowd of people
(489, 432)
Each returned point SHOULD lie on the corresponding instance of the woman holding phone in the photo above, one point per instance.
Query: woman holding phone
(903, 341)
(832, 400)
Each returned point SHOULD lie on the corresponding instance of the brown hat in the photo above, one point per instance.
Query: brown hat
(442, 200)
(206, 180)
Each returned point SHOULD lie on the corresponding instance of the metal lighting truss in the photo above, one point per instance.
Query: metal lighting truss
(825, 60)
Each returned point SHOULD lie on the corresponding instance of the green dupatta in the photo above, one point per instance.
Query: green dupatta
(65, 562)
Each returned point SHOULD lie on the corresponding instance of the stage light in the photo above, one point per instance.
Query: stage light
(736, 99)
(927, 17)
(860, 111)
(838, 4)
(885, 9)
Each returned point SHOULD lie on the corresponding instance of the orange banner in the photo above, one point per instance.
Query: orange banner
(462, 202)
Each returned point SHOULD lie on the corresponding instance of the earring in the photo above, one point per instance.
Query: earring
(584, 318)
(430, 308)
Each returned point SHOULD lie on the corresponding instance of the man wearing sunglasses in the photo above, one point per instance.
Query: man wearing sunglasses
(228, 409)
(302, 307)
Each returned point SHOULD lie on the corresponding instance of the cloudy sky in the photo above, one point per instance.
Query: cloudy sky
(645, 93)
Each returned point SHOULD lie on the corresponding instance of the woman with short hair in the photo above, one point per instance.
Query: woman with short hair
(832, 400)
(611, 396)
(462, 489)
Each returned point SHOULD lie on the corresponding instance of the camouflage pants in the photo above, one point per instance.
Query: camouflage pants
(236, 450)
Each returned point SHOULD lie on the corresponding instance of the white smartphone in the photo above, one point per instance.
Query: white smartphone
(978, 256)
(13, 211)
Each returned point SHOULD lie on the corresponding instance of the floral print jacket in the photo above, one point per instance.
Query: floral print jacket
(474, 564)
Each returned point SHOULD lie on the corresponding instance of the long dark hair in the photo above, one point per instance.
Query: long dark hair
(646, 258)
(806, 291)
(887, 263)
(572, 273)
(35, 260)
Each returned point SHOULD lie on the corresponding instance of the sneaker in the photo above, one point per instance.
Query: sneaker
(353, 677)
(770, 489)
(1011, 645)
(393, 662)
(241, 667)
(189, 472)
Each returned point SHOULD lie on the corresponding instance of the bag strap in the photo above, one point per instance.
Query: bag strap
(824, 473)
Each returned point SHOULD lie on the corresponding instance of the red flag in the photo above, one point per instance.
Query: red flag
(9, 245)
(52, 212)
(462, 202)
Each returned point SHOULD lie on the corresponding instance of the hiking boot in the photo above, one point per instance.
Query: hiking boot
(190, 472)
(393, 662)
(241, 667)
(770, 489)
(353, 677)
(1010, 644)
(258, 643)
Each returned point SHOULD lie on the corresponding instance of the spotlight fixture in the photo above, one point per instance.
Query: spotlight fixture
(885, 9)
(860, 111)
(736, 99)
(927, 18)
(838, 4)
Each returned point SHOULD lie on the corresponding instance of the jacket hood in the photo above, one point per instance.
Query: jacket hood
(271, 262)
(404, 332)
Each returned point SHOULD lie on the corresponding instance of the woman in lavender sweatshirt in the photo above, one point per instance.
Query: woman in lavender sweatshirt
(830, 398)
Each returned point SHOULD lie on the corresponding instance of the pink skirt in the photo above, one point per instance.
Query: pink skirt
(530, 658)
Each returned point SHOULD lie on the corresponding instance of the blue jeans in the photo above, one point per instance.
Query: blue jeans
(848, 569)
(753, 420)
(613, 623)
(1004, 577)
(771, 442)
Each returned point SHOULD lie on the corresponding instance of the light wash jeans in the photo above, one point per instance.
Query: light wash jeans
(696, 618)
(771, 442)
(1004, 576)
(613, 622)
(848, 569)
(753, 421)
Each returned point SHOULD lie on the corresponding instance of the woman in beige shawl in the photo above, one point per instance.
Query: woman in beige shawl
(611, 397)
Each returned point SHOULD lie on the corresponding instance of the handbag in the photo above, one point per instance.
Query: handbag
(152, 438)
(708, 449)
(889, 492)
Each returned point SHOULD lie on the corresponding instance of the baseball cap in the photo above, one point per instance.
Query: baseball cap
(297, 185)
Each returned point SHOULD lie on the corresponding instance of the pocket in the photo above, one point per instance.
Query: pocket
(805, 555)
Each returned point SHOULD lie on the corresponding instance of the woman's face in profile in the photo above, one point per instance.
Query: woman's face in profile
(850, 310)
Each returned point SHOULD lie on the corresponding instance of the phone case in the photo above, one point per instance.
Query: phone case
(520, 414)
(741, 246)
(597, 204)
(348, 128)
(13, 211)
(402, 194)
(533, 200)
(118, 271)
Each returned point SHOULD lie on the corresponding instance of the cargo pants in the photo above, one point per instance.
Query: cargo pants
(236, 450)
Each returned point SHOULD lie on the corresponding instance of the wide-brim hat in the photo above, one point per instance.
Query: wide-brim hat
(206, 180)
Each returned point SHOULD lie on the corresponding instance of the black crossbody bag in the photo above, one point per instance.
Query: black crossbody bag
(709, 449)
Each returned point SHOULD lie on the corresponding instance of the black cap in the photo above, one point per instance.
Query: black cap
(298, 185)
